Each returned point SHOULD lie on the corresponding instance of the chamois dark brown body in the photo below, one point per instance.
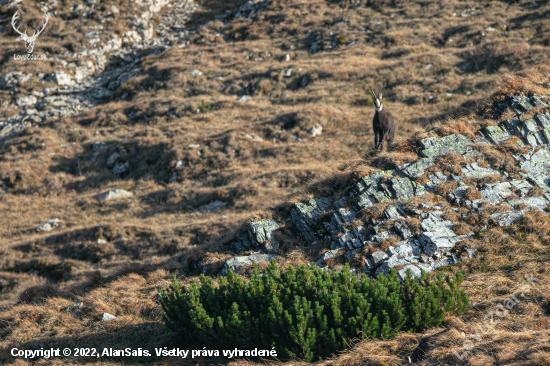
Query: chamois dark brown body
(382, 123)
(384, 128)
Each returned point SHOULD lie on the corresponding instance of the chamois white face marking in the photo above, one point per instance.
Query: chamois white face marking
(378, 106)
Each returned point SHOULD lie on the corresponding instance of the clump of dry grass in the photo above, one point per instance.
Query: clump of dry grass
(461, 228)
(444, 188)
(532, 82)
(465, 125)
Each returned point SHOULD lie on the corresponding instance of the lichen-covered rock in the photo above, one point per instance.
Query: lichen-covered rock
(540, 203)
(435, 147)
(496, 134)
(237, 263)
(404, 189)
(261, 233)
(378, 257)
(393, 212)
(403, 230)
(520, 103)
(512, 125)
(328, 255)
(475, 171)
(306, 217)
(538, 163)
(508, 218)
(415, 271)
(416, 168)
(496, 193)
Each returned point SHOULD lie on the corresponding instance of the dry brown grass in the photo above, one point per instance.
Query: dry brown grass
(51, 170)
(532, 82)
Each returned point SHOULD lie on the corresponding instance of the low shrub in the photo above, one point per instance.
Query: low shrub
(306, 312)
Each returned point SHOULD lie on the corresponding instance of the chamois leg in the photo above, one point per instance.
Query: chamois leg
(382, 142)
(376, 140)
(390, 139)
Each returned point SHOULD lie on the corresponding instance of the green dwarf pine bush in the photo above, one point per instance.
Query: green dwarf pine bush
(306, 312)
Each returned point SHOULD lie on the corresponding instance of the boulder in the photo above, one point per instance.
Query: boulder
(436, 147)
(237, 263)
(261, 232)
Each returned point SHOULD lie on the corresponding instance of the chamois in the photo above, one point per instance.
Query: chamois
(382, 123)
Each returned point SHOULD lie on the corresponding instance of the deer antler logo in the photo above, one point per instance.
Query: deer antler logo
(29, 40)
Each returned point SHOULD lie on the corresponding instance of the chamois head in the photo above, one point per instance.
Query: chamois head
(377, 100)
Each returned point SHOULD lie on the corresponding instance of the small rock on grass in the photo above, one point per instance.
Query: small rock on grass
(113, 194)
(316, 130)
(74, 307)
(49, 225)
(107, 317)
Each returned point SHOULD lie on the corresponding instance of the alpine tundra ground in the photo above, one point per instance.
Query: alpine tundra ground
(201, 161)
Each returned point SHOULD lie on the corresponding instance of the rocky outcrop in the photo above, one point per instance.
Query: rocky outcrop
(336, 223)
(78, 88)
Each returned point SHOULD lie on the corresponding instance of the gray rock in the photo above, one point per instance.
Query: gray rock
(107, 317)
(522, 186)
(392, 212)
(435, 147)
(538, 163)
(496, 193)
(416, 169)
(121, 168)
(392, 262)
(114, 194)
(316, 130)
(508, 218)
(408, 248)
(475, 171)
(244, 98)
(13, 79)
(416, 272)
(306, 217)
(403, 188)
(378, 257)
(433, 242)
(74, 307)
(381, 237)
(261, 233)
(49, 225)
(328, 255)
(113, 159)
(433, 222)
(180, 164)
(496, 134)
(539, 203)
(196, 73)
(512, 125)
(237, 263)
(530, 133)
(403, 230)
(26, 101)
(61, 78)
